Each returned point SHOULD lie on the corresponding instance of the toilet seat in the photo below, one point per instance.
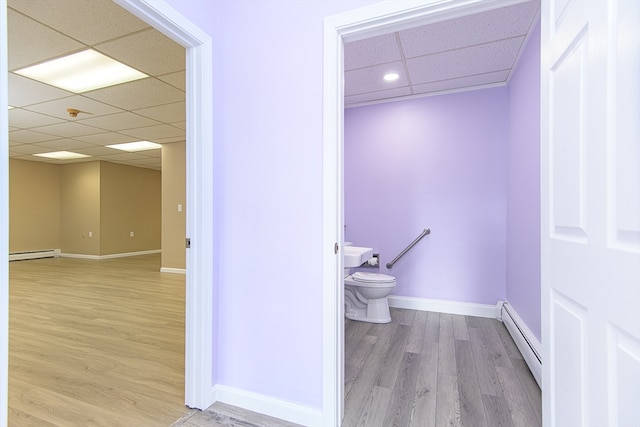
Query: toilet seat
(372, 278)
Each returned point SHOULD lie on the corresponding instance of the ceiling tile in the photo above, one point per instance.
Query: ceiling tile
(178, 80)
(501, 23)
(58, 107)
(24, 91)
(119, 121)
(26, 149)
(64, 144)
(463, 82)
(87, 21)
(31, 42)
(150, 133)
(30, 137)
(376, 50)
(68, 129)
(173, 112)
(364, 80)
(170, 140)
(105, 138)
(180, 125)
(139, 94)
(380, 95)
(148, 51)
(96, 150)
(27, 119)
(19, 156)
(478, 59)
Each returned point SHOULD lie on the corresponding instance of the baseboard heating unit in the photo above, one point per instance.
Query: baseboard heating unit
(527, 343)
(46, 253)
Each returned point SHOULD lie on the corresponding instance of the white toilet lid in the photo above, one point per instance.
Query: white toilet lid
(364, 277)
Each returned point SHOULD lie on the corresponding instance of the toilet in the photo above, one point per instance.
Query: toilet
(365, 296)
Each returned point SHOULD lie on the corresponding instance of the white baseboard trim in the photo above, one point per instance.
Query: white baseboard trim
(277, 408)
(110, 256)
(443, 306)
(173, 270)
(525, 340)
(45, 253)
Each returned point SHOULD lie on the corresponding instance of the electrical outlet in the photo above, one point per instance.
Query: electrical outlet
(131, 234)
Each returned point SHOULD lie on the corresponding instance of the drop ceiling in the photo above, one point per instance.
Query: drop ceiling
(458, 54)
(473, 51)
(149, 109)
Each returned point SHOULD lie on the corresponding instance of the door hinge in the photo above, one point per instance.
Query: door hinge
(188, 242)
(335, 248)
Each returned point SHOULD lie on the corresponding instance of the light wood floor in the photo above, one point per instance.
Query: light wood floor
(95, 343)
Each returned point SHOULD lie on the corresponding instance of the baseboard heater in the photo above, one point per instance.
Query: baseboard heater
(46, 253)
(527, 343)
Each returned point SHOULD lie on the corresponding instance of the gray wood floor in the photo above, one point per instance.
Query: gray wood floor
(422, 369)
(431, 369)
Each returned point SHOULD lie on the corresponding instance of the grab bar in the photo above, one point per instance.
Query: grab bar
(412, 244)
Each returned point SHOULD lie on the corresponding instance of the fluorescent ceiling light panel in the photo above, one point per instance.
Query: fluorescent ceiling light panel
(136, 146)
(82, 72)
(62, 155)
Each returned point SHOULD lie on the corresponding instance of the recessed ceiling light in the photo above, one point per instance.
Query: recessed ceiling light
(136, 146)
(389, 77)
(62, 155)
(82, 72)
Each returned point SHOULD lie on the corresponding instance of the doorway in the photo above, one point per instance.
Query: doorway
(199, 312)
(353, 26)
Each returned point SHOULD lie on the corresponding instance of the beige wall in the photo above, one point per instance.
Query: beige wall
(57, 206)
(130, 201)
(34, 206)
(173, 194)
(80, 208)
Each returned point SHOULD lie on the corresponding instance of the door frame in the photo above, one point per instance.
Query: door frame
(199, 193)
(376, 19)
(199, 198)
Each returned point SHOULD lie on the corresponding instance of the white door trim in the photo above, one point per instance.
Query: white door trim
(199, 156)
(376, 19)
(4, 219)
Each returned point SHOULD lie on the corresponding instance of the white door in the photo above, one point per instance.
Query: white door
(590, 88)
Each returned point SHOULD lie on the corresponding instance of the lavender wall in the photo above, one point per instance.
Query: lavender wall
(268, 181)
(437, 162)
(523, 190)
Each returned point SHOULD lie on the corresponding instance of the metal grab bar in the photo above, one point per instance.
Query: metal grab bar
(412, 244)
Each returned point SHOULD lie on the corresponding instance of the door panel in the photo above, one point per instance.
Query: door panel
(590, 198)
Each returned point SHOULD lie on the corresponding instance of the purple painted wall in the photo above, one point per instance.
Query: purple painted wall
(268, 170)
(437, 162)
(523, 189)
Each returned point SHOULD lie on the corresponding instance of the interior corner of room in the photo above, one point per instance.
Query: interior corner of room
(108, 203)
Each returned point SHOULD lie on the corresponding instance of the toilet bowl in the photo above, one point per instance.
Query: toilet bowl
(365, 296)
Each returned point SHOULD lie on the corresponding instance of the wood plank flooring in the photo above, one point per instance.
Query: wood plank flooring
(422, 369)
(431, 369)
(95, 343)
(101, 343)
